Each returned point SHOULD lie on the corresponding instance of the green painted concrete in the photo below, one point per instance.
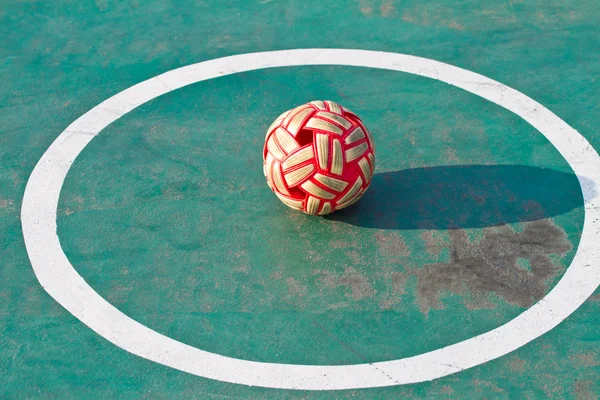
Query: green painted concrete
(167, 215)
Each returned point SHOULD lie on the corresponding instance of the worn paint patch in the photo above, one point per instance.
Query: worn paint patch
(587, 359)
(489, 384)
(356, 284)
(387, 8)
(391, 244)
(517, 364)
(295, 288)
(366, 8)
(393, 296)
(434, 244)
(490, 266)
(359, 285)
(7, 204)
(595, 297)
(584, 389)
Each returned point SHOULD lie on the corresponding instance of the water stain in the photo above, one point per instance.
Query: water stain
(490, 266)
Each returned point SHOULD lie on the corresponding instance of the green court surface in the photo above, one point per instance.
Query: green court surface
(472, 218)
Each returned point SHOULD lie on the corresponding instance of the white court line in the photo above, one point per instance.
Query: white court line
(65, 285)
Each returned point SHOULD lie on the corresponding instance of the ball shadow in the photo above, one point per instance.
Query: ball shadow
(463, 196)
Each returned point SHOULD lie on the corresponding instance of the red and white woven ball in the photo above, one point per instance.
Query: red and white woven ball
(318, 157)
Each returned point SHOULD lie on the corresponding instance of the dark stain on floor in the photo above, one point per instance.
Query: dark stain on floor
(491, 266)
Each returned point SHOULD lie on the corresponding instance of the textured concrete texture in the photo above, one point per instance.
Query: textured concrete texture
(472, 215)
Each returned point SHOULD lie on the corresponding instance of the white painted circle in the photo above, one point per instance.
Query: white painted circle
(65, 285)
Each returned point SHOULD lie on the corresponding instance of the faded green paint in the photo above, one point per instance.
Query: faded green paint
(167, 215)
